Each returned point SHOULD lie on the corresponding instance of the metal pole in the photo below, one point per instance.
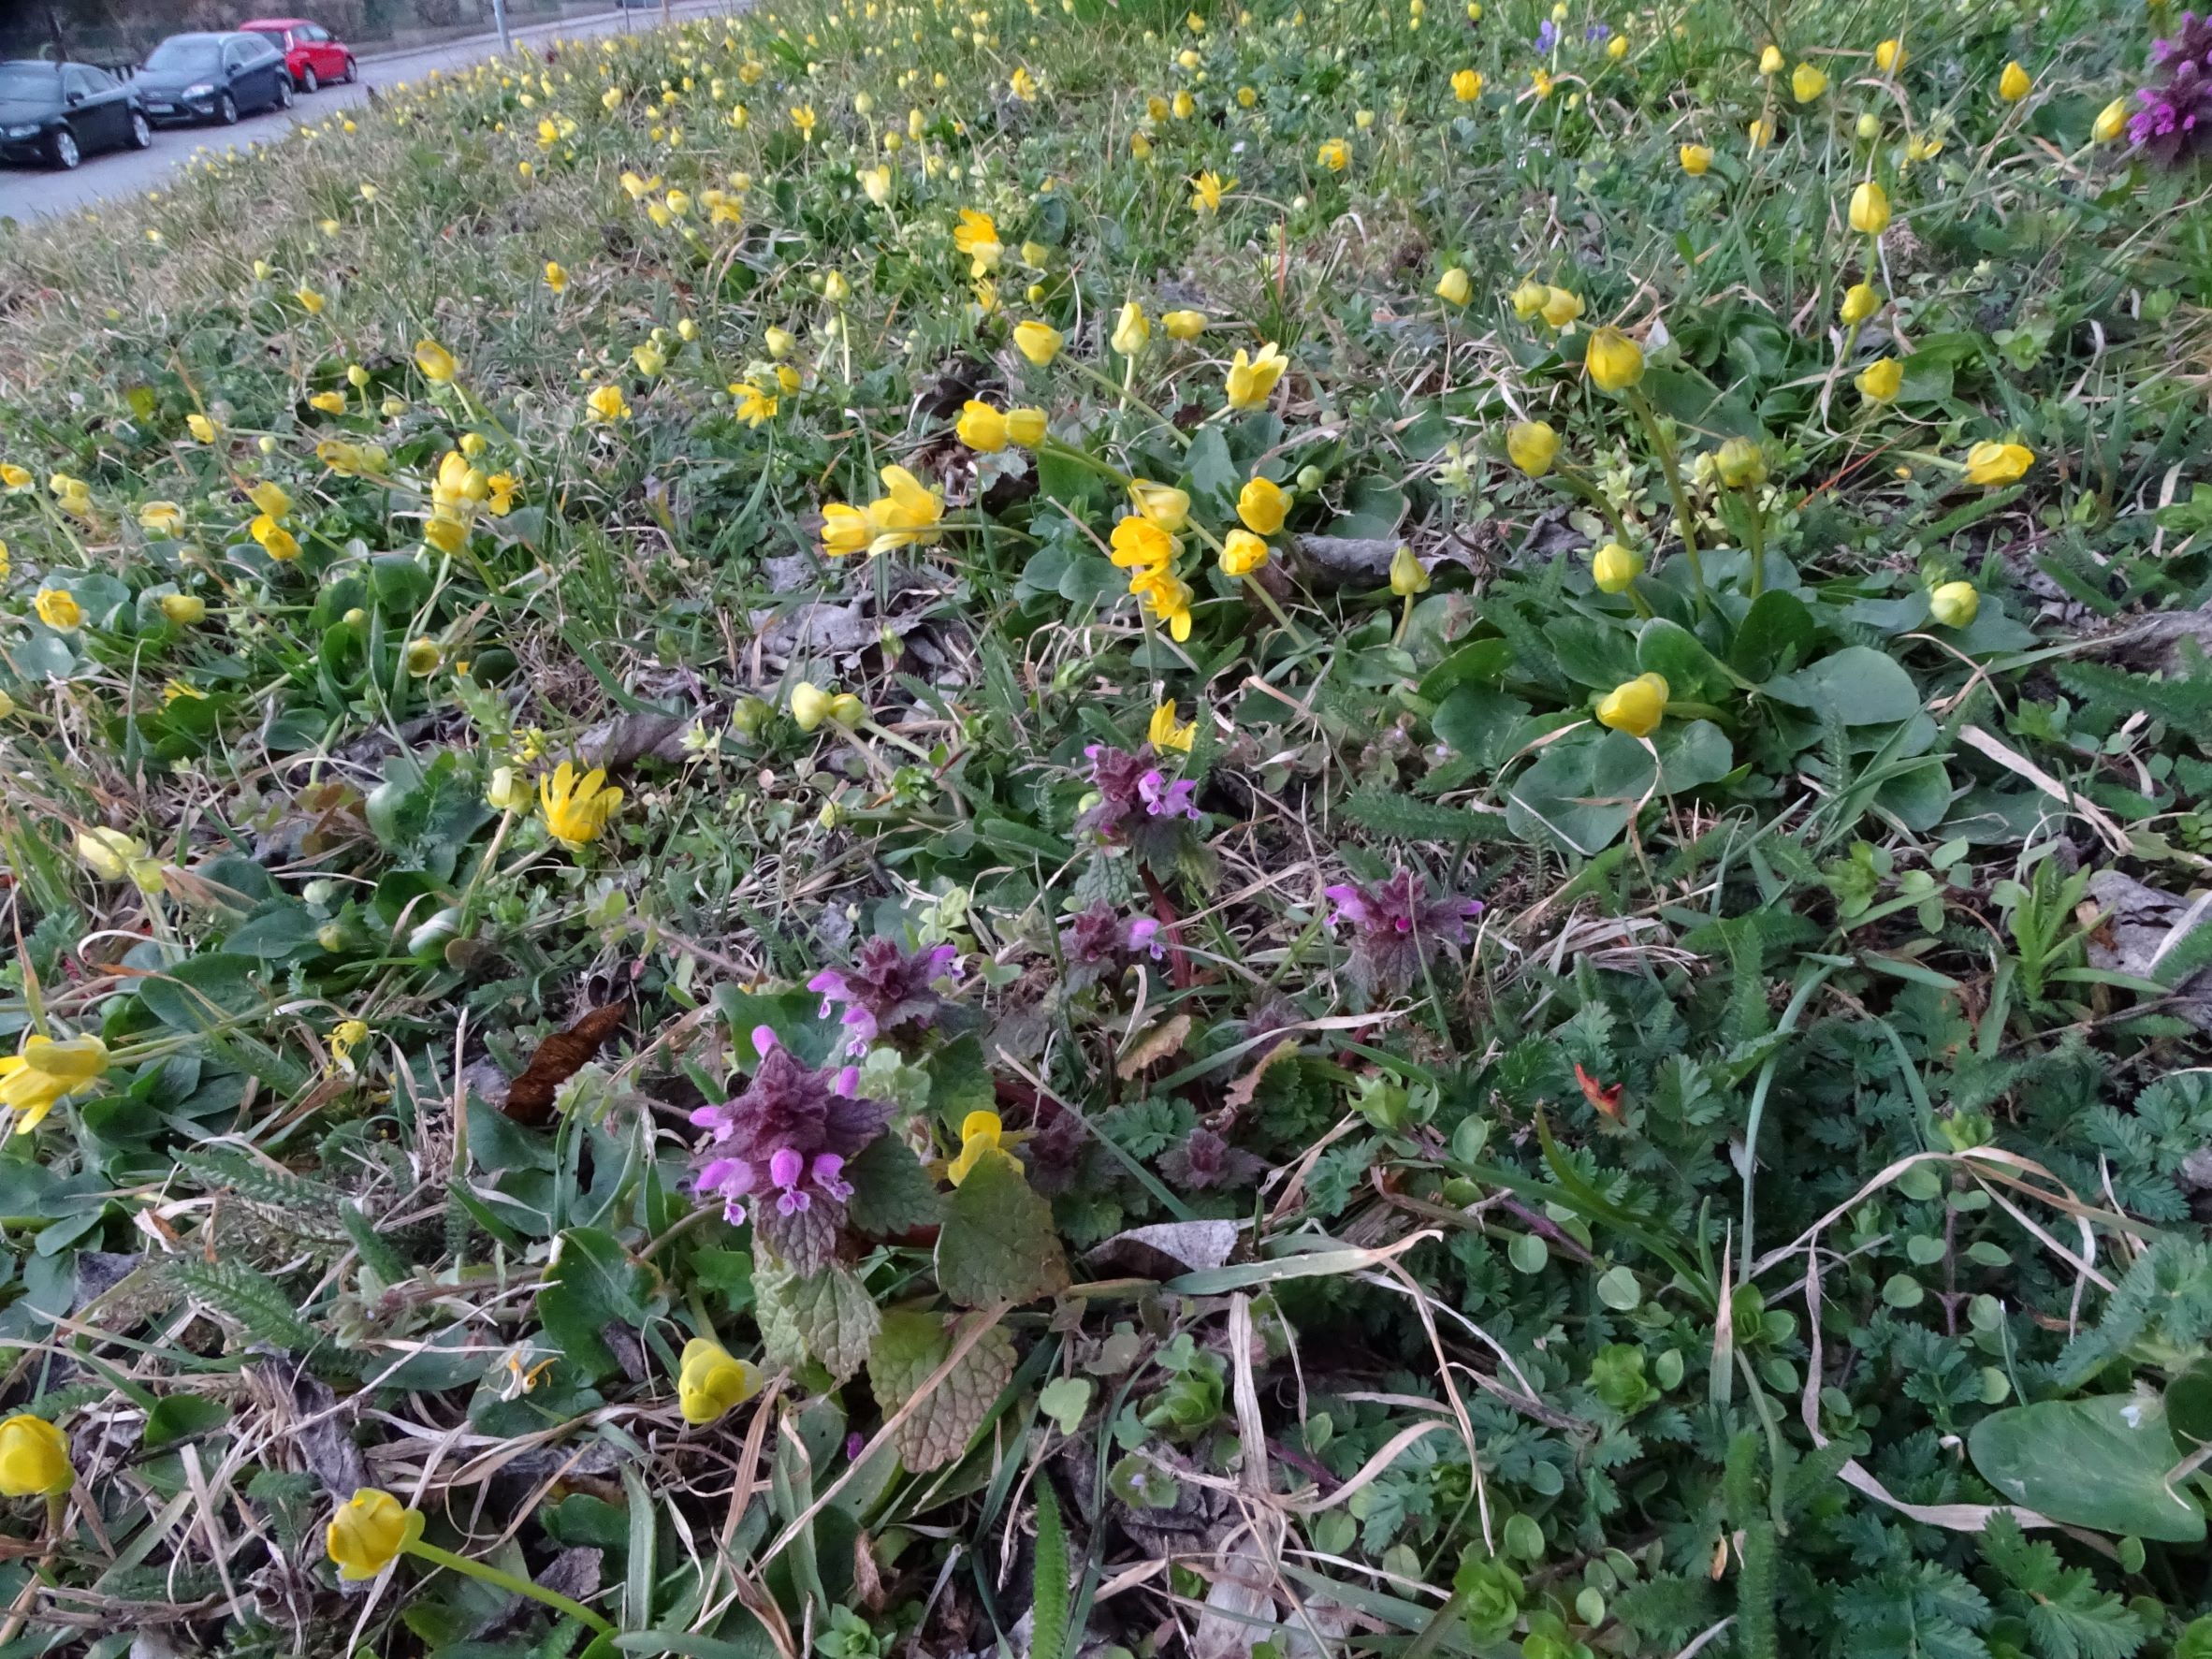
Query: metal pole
(499, 19)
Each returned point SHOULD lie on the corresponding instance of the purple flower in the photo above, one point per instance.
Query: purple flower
(2174, 120)
(1595, 33)
(1547, 37)
(1163, 799)
(1396, 927)
(1132, 788)
(1097, 943)
(886, 989)
(790, 1131)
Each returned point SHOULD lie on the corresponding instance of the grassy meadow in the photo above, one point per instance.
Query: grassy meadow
(1369, 828)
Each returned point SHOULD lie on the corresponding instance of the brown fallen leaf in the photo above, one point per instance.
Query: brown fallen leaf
(559, 1058)
(1607, 1101)
(1240, 1093)
(1159, 1043)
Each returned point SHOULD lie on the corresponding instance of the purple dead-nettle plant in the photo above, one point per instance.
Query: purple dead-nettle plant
(887, 990)
(1397, 927)
(1205, 1160)
(779, 1148)
(1099, 941)
(2174, 121)
(1132, 790)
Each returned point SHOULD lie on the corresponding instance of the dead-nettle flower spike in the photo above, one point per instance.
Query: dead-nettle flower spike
(1396, 926)
(887, 989)
(1098, 942)
(786, 1136)
(1131, 788)
(2174, 121)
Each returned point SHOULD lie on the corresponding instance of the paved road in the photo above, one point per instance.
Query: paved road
(31, 193)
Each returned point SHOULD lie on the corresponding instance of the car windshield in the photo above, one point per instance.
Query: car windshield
(275, 37)
(27, 82)
(188, 57)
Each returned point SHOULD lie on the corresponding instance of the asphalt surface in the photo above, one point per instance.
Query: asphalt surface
(32, 193)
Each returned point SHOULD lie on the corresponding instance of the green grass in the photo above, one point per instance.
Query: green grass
(1787, 1168)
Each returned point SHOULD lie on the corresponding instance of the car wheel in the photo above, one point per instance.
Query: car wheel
(351, 73)
(226, 109)
(284, 92)
(141, 132)
(308, 83)
(62, 149)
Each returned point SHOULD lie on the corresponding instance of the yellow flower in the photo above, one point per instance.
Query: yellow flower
(875, 183)
(2013, 84)
(780, 343)
(650, 359)
(1615, 361)
(2112, 121)
(981, 1133)
(1741, 464)
(1467, 85)
(1861, 301)
(368, 1534)
(1038, 341)
(1163, 732)
(1923, 149)
(345, 1037)
(809, 706)
(44, 1071)
(1613, 567)
(906, 514)
(161, 518)
(755, 408)
(1162, 504)
(607, 402)
(1696, 159)
(845, 530)
(577, 809)
(710, 1382)
(1184, 324)
(1561, 307)
(611, 100)
(1251, 381)
(1889, 57)
(58, 609)
(977, 235)
(1635, 706)
(1955, 604)
(1137, 544)
(1167, 599)
(1616, 48)
(507, 792)
(1532, 446)
(1026, 427)
(1407, 575)
(327, 402)
(1761, 134)
(1185, 106)
(1880, 381)
(835, 289)
(1770, 60)
(1206, 190)
(1991, 465)
(802, 117)
(1529, 299)
(184, 609)
(1262, 505)
(1869, 209)
(1454, 287)
(1807, 83)
(34, 1458)
(556, 276)
(1132, 329)
(276, 541)
(1140, 146)
(201, 428)
(1335, 154)
(310, 301)
(981, 427)
(1241, 553)
(1022, 85)
(1539, 82)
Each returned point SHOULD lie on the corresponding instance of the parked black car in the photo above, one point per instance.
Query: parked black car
(59, 113)
(218, 78)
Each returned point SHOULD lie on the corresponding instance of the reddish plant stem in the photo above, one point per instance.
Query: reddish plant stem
(1171, 925)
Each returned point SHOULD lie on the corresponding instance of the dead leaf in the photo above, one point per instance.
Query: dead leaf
(1240, 1093)
(1159, 1043)
(1165, 1249)
(1607, 1101)
(559, 1058)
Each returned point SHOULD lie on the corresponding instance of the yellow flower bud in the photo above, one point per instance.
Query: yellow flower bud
(809, 706)
(1613, 567)
(1561, 307)
(1262, 505)
(1770, 60)
(1532, 446)
(1880, 381)
(184, 609)
(1991, 465)
(1869, 209)
(1454, 287)
(1408, 578)
(2112, 121)
(1038, 341)
(1635, 706)
(34, 1458)
(1696, 159)
(1241, 553)
(1889, 57)
(1026, 427)
(1955, 603)
(1162, 504)
(368, 1534)
(710, 1382)
(1807, 83)
(1529, 299)
(1615, 362)
(1740, 464)
(981, 427)
(1132, 329)
(1861, 301)
(2013, 84)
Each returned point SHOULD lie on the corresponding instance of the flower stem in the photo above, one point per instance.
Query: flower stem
(1756, 535)
(510, 1582)
(1672, 465)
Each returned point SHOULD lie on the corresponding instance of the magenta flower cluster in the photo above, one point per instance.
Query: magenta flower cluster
(1396, 926)
(886, 990)
(2174, 118)
(1132, 790)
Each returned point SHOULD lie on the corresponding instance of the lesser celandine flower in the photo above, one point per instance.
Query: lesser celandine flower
(1955, 604)
(1026, 427)
(1561, 307)
(161, 518)
(1162, 504)
(1455, 287)
(14, 478)
(1251, 381)
(981, 427)
(310, 301)
(1771, 60)
(1615, 362)
(2013, 84)
(1880, 381)
(1806, 82)
(1741, 464)
(34, 1458)
(45, 1072)
(1467, 85)
(1241, 553)
(1614, 567)
(1861, 301)
(1696, 159)
(2112, 121)
(434, 360)
(1335, 154)
(327, 402)
(1262, 505)
(608, 404)
(1993, 465)
(576, 808)
(1038, 341)
(1140, 545)
(1184, 324)
(906, 514)
(809, 706)
(1132, 329)
(1532, 446)
(200, 428)
(779, 341)
(845, 530)
(1635, 706)
(57, 608)
(367, 1534)
(556, 276)
(1529, 299)
(1889, 57)
(1165, 733)
(1869, 209)
(1760, 134)
(650, 359)
(710, 1382)
(981, 1133)
(1408, 576)
(184, 609)
(1207, 189)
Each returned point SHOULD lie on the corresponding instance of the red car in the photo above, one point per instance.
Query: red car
(312, 56)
